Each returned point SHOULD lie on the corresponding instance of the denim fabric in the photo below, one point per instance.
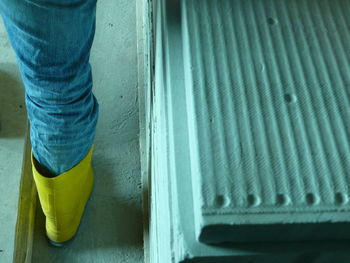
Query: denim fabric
(52, 41)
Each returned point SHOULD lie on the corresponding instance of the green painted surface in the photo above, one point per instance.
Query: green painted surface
(176, 220)
(268, 109)
(12, 137)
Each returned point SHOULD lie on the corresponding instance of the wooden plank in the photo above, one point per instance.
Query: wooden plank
(26, 210)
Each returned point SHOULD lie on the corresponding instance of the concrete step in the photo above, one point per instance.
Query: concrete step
(267, 93)
(249, 132)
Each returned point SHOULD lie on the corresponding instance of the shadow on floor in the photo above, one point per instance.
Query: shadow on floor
(12, 106)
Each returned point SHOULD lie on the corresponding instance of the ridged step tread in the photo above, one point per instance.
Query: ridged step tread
(268, 97)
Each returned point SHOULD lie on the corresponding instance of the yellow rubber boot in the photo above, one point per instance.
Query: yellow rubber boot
(63, 199)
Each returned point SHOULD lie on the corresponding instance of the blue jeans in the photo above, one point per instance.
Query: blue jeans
(52, 41)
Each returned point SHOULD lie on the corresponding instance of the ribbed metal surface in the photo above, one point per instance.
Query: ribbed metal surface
(268, 86)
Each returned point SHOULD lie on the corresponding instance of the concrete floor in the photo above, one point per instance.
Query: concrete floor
(112, 226)
(12, 134)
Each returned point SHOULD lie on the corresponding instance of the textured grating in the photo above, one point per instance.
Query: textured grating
(268, 97)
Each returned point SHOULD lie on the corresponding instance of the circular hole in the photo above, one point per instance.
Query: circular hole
(271, 21)
(253, 200)
(312, 199)
(290, 98)
(341, 198)
(222, 201)
(282, 199)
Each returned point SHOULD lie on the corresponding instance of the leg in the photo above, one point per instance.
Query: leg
(52, 40)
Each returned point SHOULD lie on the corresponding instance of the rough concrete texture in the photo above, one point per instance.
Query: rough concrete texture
(111, 230)
(12, 137)
(173, 215)
(268, 104)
